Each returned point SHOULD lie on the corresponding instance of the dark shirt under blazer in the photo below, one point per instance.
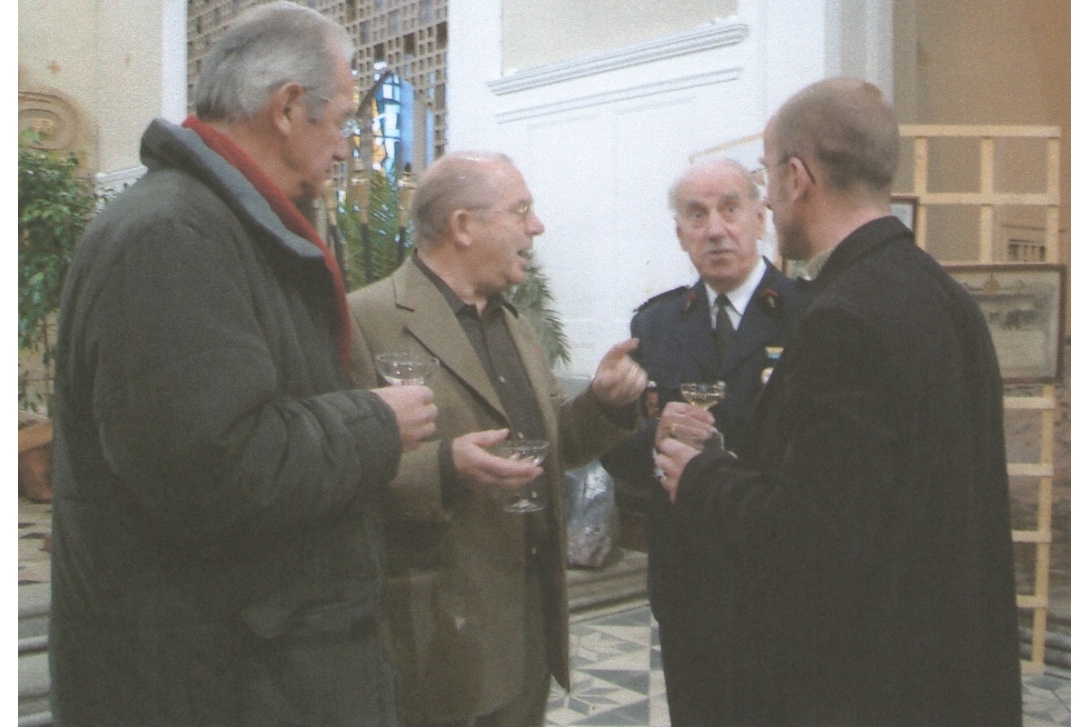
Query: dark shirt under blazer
(457, 585)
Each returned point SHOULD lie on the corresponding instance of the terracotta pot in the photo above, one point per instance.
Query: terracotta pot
(35, 452)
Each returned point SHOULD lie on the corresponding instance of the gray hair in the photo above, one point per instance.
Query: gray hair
(733, 164)
(263, 49)
(459, 180)
(847, 128)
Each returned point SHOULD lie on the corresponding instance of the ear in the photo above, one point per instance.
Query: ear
(288, 106)
(801, 184)
(458, 223)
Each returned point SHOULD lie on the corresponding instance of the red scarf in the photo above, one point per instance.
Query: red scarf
(289, 214)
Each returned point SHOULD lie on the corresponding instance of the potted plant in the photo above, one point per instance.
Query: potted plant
(56, 201)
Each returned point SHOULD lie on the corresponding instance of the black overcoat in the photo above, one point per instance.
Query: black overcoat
(868, 537)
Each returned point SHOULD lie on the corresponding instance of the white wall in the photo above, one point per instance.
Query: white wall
(536, 32)
(600, 138)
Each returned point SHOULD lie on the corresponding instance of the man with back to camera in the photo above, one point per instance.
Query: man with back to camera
(217, 554)
(477, 609)
(868, 530)
(726, 327)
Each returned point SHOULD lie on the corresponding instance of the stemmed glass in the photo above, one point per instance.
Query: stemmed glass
(524, 450)
(405, 369)
(705, 396)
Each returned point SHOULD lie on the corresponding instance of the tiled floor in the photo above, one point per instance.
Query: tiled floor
(617, 677)
(34, 529)
(616, 666)
(616, 672)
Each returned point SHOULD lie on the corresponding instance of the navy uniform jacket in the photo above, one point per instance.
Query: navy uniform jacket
(677, 344)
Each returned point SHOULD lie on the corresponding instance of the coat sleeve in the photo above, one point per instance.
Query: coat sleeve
(197, 419)
(586, 431)
(824, 499)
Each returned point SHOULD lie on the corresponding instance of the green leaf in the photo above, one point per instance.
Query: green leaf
(56, 202)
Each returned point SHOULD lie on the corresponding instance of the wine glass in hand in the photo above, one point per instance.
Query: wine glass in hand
(705, 396)
(404, 369)
(524, 450)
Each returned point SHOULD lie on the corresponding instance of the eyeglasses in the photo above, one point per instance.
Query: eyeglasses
(761, 173)
(522, 211)
(351, 126)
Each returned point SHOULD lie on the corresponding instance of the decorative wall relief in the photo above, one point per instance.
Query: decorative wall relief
(57, 118)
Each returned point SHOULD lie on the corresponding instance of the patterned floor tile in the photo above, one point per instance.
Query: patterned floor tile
(617, 677)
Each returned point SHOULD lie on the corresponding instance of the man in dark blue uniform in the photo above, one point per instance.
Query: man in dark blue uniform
(729, 327)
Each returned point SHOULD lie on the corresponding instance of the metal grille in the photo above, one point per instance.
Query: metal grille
(409, 36)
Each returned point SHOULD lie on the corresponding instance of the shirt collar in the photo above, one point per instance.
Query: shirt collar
(739, 297)
(457, 304)
(814, 265)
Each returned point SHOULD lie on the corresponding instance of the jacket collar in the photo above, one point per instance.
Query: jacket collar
(865, 239)
(760, 324)
(165, 145)
(430, 319)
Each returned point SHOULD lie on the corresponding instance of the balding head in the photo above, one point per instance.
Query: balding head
(843, 126)
(459, 180)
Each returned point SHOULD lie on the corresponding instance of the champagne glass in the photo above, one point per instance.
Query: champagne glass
(705, 396)
(405, 369)
(527, 498)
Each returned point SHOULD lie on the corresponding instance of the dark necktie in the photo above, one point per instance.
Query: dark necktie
(724, 329)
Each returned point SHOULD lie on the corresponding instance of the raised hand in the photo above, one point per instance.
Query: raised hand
(415, 409)
(619, 380)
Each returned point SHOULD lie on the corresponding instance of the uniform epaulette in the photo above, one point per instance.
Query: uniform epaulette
(660, 296)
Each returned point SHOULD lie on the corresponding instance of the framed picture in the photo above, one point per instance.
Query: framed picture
(903, 208)
(1024, 307)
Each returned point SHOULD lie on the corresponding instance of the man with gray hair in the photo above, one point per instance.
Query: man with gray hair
(726, 327)
(477, 607)
(218, 556)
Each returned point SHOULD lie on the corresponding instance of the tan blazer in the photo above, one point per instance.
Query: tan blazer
(456, 587)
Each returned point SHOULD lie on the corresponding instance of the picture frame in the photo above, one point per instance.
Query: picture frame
(1023, 304)
(903, 207)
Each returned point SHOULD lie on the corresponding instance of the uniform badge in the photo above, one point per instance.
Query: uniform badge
(769, 300)
(773, 355)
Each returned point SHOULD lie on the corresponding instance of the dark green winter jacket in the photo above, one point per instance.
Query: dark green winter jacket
(217, 556)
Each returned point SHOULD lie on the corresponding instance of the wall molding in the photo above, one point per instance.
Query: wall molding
(669, 85)
(719, 34)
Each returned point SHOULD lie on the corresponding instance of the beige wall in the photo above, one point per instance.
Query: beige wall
(106, 56)
(987, 62)
(537, 32)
